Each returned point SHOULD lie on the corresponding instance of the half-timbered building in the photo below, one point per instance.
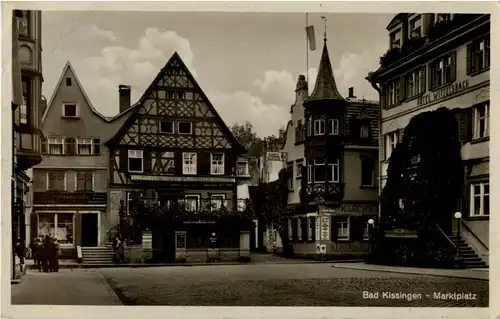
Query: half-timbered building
(175, 146)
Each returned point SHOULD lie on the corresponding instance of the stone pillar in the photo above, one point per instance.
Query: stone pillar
(244, 243)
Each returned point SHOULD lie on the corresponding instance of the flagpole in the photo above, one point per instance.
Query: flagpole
(307, 53)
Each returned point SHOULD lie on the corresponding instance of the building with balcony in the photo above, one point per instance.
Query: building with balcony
(442, 61)
(26, 102)
(331, 146)
(70, 186)
(175, 147)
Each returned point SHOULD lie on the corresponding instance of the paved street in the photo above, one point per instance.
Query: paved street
(284, 285)
(242, 285)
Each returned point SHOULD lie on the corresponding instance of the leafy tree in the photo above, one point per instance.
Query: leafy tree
(424, 186)
(271, 201)
(244, 134)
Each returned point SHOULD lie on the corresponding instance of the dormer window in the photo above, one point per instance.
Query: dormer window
(396, 39)
(70, 110)
(416, 27)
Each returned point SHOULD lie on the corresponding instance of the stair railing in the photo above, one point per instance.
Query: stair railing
(456, 248)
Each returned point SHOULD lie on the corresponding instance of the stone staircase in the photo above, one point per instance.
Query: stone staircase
(98, 255)
(470, 259)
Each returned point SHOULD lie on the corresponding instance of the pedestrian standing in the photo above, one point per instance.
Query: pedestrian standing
(46, 253)
(36, 248)
(55, 255)
(119, 250)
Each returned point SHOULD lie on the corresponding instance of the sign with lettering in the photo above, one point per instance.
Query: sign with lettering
(318, 228)
(359, 208)
(77, 198)
(323, 209)
(159, 178)
(276, 156)
(443, 93)
(325, 227)
(180, 239)
(401, 233)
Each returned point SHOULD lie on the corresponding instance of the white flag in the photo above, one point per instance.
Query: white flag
(311, 37)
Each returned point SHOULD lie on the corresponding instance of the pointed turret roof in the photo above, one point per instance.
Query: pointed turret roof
(325, 87)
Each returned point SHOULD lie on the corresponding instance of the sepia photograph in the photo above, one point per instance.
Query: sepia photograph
(247, 158)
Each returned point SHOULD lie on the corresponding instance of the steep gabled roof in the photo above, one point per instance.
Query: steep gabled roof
(69, 67)
(175, 57)
(325, 87)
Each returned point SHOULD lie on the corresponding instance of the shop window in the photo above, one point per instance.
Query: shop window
(85, 181)
(217, 201)
(366, 230)
(478, 55)
(311, 234)
(192, 203)
(64, 231)
(481, 120)
(480, 199)
(56, 181)
(343, 225)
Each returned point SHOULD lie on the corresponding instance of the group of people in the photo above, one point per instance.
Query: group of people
(46, 253)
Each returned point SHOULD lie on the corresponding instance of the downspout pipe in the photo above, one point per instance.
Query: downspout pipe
(374, 83)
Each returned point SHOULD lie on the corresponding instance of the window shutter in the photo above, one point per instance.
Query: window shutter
(146, 157)
(422, 80)
(382, 147)
(469, 121)
(123, 159)
(461, 117)
(429, 75)
(400, 135)
(469, 58)
(70, 145)
(402, 91)
(44, 147)
(178, 163)
(453, 69)
(203, 163)
(97, 146)
(78, 228)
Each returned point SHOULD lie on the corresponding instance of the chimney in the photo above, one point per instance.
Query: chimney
(351, 93)
(124, 97)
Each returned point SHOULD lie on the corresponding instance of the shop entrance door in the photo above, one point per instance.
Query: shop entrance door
(89, 230)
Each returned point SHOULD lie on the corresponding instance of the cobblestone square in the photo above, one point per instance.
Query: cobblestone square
(288, 285)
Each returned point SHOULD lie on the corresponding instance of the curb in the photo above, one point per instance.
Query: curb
(411, 273)
(289, 262)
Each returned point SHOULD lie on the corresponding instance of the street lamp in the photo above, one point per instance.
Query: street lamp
(370, 232)
(458, 215)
